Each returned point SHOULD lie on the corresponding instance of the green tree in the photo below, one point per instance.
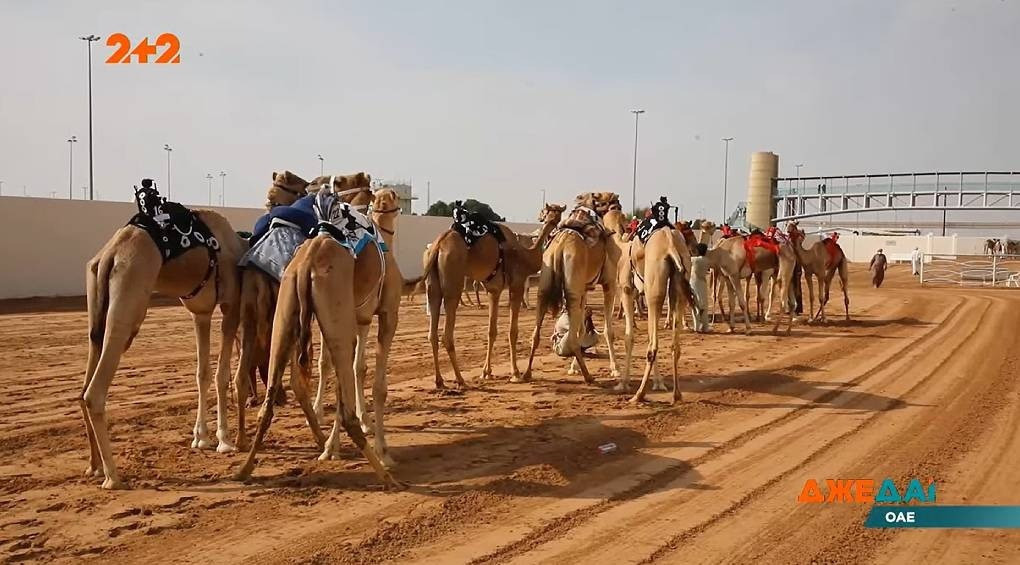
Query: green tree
(440, 208)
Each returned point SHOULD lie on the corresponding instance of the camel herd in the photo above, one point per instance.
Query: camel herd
(345, 286)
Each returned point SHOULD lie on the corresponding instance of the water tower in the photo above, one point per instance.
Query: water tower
(761, 186)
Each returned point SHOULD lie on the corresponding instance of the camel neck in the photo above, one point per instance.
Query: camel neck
(387, 226)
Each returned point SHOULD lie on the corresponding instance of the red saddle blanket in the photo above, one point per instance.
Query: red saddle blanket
(758, 240)
(834, 251)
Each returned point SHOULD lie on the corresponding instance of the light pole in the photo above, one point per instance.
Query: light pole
(223, 186)
(89, 39)
(208, 177)
(633, 188)
(70, 167)
(168, 149)
(726, 174)
(321, 164)
(428, 196)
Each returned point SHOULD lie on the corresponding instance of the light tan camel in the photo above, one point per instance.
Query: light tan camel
(729, 260)
(325, 280)
(450, 260)
(385, 209)
(580, 255)
(819, 265)
(659, 264)
(259, 290)
(120, 281)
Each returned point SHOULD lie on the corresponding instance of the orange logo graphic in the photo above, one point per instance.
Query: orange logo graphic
(144, 50)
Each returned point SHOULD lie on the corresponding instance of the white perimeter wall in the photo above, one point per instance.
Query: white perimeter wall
(45, 243)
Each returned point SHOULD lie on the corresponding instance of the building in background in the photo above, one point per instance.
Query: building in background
(403, 190)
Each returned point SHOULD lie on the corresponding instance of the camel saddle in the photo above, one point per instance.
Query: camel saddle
(586, 223)
(349, 227)
(174, 229)
(277, 236)
(758, 239)
(658, 219)
(473, 226)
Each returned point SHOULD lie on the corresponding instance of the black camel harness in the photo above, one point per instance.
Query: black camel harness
(658, 219)
(473, 226)
(175, 230)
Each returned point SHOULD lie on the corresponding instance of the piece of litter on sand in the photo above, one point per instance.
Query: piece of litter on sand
(607, 448)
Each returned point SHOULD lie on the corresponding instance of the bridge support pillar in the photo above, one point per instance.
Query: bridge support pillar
(761, 189)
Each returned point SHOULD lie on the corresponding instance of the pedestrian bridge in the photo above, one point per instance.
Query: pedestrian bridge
(808, 197)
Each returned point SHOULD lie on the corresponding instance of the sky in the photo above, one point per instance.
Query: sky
(499, 100)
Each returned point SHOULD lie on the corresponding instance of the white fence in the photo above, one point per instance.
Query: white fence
(971, 270)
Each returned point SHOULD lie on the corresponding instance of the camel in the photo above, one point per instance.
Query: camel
(580, 255)
(992, 246)
(258, 296)
(120, 281)
(817, 263)
(729, 260)
(497, 266)
(342, 291)
(658, 265)
(385, 208)
(259, 290)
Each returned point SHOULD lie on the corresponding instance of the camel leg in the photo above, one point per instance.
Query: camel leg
(450, 303)
(285, 330)
(655, 295)
(325, 369)
(360, 370)
(300, 379)
(387, 330)
(609, 296)
(231, 318)
(478, 298)
(575, 312)
(244, 376)
(810, 284)
(434, 300)
(681, 299)
(128, 295)
(517, 294)
(735, 283)
(843, 285)
(627, 304)
(541, 308)
(491, 335)
(203, 321)
(95, 304)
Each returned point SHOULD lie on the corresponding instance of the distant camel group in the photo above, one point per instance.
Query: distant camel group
(325, 252)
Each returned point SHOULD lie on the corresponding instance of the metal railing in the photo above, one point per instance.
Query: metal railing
(970, 270)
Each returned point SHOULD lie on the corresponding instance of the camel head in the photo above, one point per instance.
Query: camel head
(794, 231)
(586, 199)
(551, 213)
(606, 201)
(354, 189)
(708, 227)
(286, 189)
(385, 201)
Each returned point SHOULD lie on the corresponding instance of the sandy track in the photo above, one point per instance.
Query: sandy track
(922, 383)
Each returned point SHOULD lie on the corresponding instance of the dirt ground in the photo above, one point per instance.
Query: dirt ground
(922, 383)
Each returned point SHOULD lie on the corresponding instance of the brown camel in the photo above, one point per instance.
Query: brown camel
(259, 290)
(258, 298)
(450, 260)
(120, 281)
(580, 255)
(658, 264)
(325, 280)
(729, 260)
(819, 265)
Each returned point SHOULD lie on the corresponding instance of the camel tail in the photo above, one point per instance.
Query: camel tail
(303, 289)
(556, 293)
(414, 286)
(99, 298)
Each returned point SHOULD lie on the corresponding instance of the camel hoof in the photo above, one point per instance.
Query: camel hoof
(636, 399)
(202, 443)
(387, 461)
(253, 402)
(440, 385)
(93, 472)
(394, 484)
(244, 473)
(572, 371)
(329, 456)
(526, 377)
(241, 444)
(114, 484)
(225, 447)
